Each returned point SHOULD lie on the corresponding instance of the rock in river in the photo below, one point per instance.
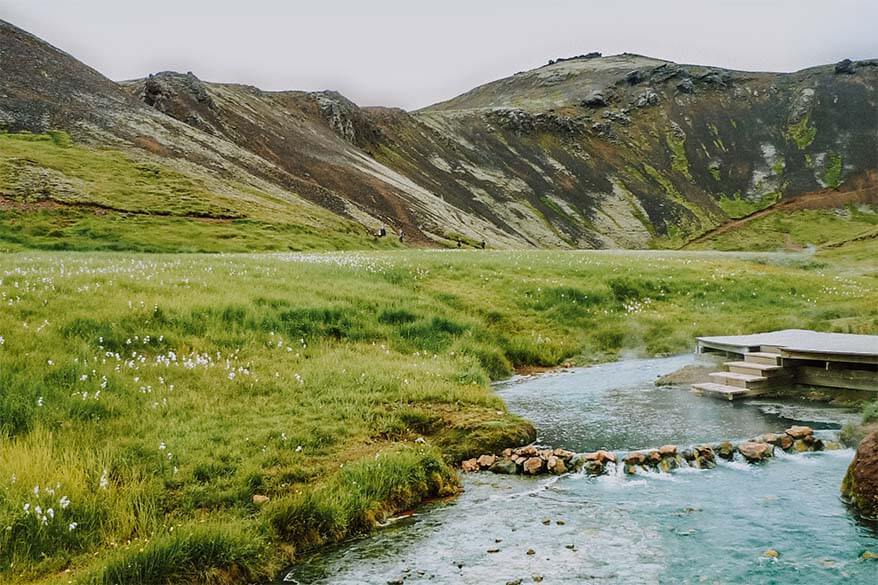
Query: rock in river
(754, 452)
(533, 465)
(504, 466)
(797, 432)
(860, 485)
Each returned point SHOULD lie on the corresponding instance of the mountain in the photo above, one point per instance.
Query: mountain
(585, 152)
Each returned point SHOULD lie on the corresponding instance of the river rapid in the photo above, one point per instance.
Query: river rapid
(689, 526)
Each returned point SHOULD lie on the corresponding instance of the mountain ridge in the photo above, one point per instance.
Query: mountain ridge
(587, 152)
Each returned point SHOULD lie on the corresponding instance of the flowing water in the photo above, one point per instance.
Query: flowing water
(690, 526)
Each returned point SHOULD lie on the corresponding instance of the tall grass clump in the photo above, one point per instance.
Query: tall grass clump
(209, 554)
(360, 495)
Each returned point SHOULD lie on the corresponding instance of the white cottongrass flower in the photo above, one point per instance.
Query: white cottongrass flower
(64, 502)
(40, 402)
(26, 507)
(2, 341)
(299, 449)
(105, 480)
(72, 526)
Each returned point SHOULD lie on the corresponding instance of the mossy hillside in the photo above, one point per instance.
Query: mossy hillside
(832, 170)
(797, 229)
(737, 206)
(801, 133)
(63, 196)
(156, 394)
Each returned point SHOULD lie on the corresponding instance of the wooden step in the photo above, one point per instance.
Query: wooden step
(762, 357)
(754, 369)
(720, 390)
(738, 380)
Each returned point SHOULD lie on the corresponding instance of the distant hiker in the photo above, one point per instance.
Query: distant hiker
(458, 242)
(482, 244)
(401, 236)
(382, 231)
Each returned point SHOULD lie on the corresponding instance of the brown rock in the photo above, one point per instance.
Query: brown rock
(556, 465)
(533, 465)
(529, 451)
(798, 432)
(766, 438)
(470, 465)
(564, 454)
(634, 458)
(259, 499)
(668, 450)
(545, 454)
(860, 485)
(507, 453)
(754, 452)
(654, 456)
(771, 554)
(600, 456)
(785, 442)
(486, 461)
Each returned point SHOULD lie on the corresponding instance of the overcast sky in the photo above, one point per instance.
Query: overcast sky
(411, 53)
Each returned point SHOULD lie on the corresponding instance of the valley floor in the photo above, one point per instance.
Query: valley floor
(196, 418)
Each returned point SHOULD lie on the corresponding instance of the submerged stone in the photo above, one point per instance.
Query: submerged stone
(726, 450)
(505, 467)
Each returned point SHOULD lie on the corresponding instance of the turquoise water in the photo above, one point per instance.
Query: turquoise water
(691, 526)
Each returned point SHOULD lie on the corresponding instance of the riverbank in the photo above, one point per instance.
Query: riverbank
(717, 518)
(198, 418)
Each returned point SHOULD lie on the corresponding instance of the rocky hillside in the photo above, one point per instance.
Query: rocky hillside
(591, 151)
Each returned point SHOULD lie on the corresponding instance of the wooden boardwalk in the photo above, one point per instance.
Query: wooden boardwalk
(766, 361)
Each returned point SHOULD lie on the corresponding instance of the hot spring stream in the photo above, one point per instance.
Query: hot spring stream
(690, 526)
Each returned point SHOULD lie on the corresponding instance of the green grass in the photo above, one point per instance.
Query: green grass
(62, 196)
(679, 162)
(150, 397)
(832, 171)
(798, 228)
(737, 206)
(802, 134)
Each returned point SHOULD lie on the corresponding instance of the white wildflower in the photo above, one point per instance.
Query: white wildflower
(72, 526)
(64, 502)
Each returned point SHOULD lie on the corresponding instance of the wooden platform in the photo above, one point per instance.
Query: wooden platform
(767, 361)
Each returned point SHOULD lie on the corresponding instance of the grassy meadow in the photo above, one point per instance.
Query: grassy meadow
(146, 398)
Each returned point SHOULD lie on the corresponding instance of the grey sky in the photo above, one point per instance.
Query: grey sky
(410, 54)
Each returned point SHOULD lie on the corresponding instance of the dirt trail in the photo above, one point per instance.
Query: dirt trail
(824, 199)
